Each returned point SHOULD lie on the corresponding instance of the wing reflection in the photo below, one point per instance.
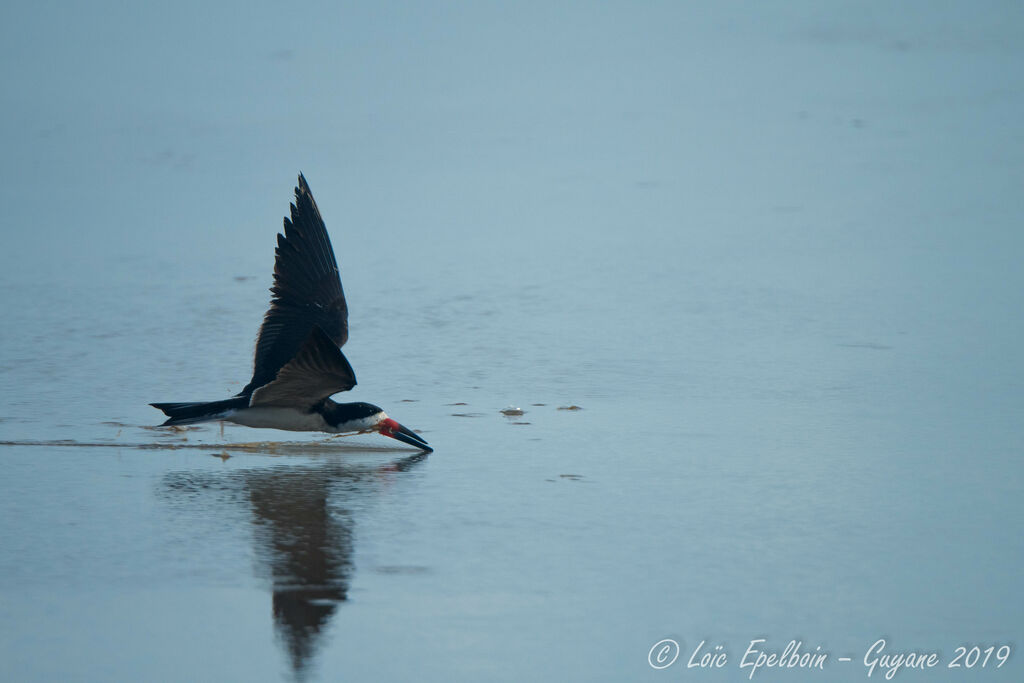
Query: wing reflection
(308, 550)
(303, 523)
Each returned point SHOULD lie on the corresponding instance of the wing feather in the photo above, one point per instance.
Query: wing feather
(307, 291)
(318, 370)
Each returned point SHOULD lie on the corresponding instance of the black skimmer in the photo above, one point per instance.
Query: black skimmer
(299, 364)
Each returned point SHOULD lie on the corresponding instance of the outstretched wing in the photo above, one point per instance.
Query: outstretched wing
(307, 292)
(318, 370)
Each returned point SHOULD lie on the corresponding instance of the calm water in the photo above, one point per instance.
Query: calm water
(772, 254)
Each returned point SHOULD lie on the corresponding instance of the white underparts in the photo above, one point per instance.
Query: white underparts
(280, 418)
(298, 421)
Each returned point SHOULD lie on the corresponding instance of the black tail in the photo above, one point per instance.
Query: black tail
(189, 413)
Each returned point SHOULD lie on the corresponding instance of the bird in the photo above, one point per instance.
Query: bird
(298, 362)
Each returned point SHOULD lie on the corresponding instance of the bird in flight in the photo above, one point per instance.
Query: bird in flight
(299, 364)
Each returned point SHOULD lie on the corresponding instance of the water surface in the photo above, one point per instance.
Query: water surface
(771, 253)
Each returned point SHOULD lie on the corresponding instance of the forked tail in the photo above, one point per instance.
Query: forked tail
(190, 413)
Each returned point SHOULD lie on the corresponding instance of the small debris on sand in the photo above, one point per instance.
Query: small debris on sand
(171, 429)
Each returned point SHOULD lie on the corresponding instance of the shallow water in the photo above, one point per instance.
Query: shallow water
(771, 254)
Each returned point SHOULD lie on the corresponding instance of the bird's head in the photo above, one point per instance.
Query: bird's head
(366, 417)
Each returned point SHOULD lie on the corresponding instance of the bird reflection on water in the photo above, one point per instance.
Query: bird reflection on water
(303, 519)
